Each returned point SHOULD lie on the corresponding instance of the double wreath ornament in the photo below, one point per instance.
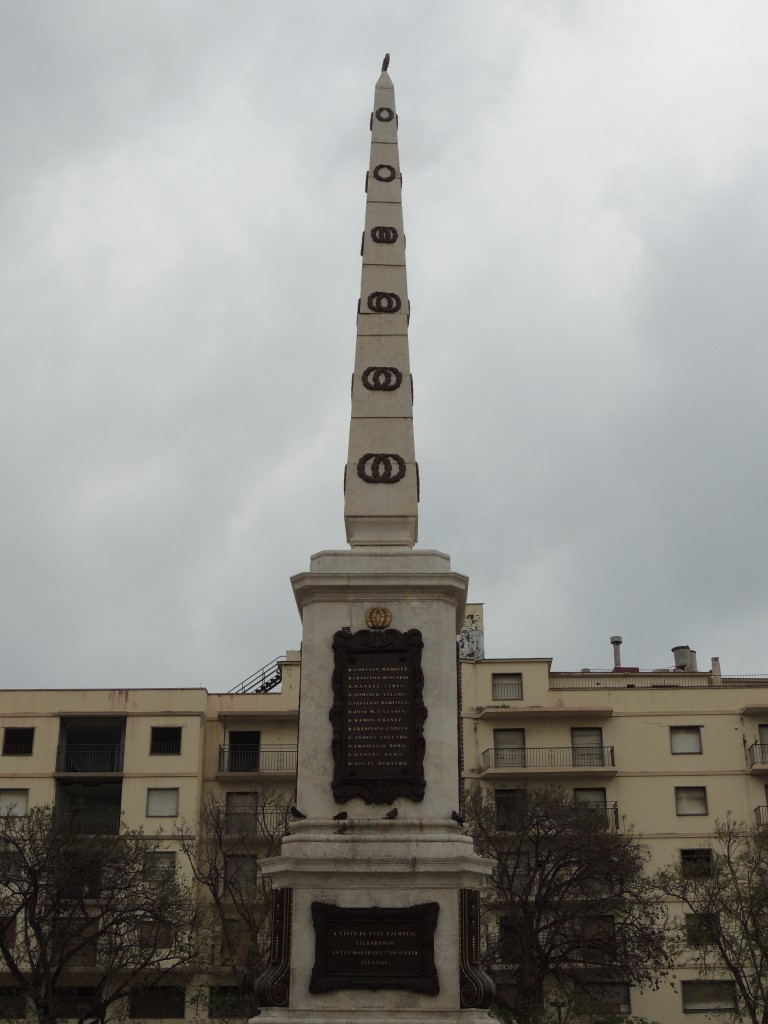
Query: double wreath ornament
(382, 378)
(381, 468)
(384, 302)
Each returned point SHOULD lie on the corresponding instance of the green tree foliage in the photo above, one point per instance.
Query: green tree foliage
(569, 903)
(724, 931)
(82, 920)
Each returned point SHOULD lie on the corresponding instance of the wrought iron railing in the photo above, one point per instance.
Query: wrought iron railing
(257, 759)
(510, 815)
(89, 757)
(93, 820)
(263, 680)
(548, 757)
(761, 815)
(261, 822)
(757, 753)
(20, 749)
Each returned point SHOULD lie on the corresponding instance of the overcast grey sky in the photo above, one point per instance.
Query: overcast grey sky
(181, 202)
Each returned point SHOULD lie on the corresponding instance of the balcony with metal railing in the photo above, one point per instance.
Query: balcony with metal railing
(265, 822)
(761, 816)
(278, 760)
(94, 758)
(542, 761)
(757, 758)
(94, 819)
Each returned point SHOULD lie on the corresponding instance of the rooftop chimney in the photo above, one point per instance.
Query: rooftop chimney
(616, 641)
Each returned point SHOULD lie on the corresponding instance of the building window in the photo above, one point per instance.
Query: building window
(240, 814)
(587, 745)
(703, 996)
(244, 748)
(165, 739)
(597, 934)
(155, 935)
(510, 806)
(696, 863)
(158, 865)
(510, 944)
(18, 742)
(13, 1004)
(685, 739)
(226, 1002)
(701, 929)
(156, 1002)
(509, 748)
(162, 803)
(239, 871)
(691, 800)
(602, 997)
(507, 686)
(14, 802)
(76, 1003)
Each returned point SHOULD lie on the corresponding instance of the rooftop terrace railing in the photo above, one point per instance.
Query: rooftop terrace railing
(263, 680)
(648, 680)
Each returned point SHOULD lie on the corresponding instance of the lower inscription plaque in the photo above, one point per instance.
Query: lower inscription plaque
(375, 947)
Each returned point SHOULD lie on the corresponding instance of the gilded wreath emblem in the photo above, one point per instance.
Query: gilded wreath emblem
(378, 618)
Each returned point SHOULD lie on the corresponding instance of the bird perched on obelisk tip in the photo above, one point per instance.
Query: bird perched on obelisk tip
(385, 63)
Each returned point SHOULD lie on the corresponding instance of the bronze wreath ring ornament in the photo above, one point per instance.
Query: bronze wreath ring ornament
(381, 468)
(384, 302)
(382, 378)
(385, 114)
(384, 172)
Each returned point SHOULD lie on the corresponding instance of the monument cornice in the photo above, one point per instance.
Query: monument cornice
(447, 588)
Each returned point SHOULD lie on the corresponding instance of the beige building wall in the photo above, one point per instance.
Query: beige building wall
(635, 713)
(159, 792)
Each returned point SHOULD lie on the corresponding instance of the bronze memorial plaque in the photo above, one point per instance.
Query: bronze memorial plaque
(375, 947)
(378, 716)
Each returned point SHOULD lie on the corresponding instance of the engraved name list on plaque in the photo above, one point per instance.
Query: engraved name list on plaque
(378, 716)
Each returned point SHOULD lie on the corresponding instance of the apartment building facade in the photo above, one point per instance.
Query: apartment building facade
(662, 754)
(153, 759)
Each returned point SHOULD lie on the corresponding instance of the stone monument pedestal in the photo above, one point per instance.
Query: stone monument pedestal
(376, 888)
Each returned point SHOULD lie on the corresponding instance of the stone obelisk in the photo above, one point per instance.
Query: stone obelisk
(376, 889)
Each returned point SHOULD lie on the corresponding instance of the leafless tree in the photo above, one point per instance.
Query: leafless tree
(570, 903)
(224, 849)
(724, 930)
(83, 922)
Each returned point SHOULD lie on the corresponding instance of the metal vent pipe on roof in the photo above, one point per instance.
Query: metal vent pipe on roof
(616, 641)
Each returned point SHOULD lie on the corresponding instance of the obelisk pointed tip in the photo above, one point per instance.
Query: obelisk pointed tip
(385, 63)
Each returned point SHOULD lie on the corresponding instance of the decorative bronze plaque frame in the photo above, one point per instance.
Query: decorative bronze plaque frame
(475, 987)
(378, 782)
(273, 986)
(332, 971)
